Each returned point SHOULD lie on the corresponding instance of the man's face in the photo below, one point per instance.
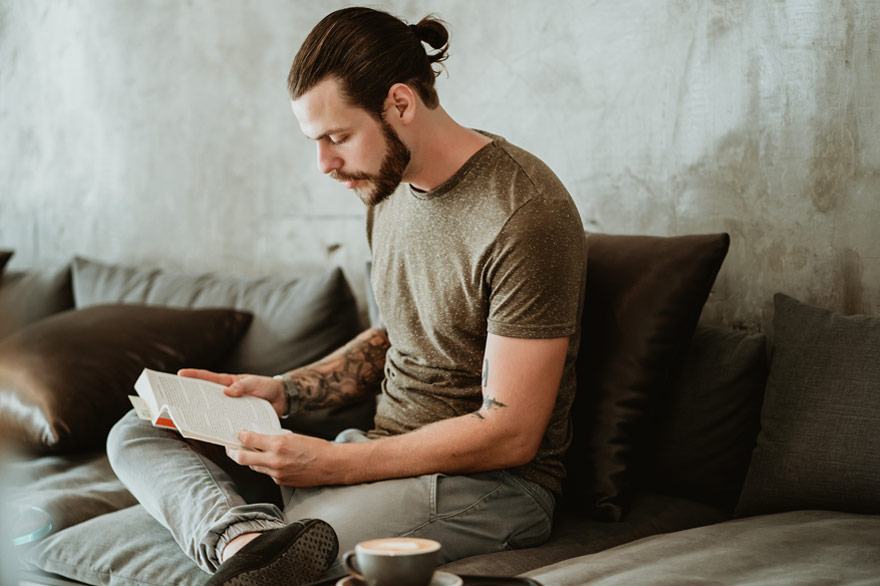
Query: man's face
(353, 147)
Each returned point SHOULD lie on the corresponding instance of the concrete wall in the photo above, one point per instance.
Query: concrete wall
(160, 132)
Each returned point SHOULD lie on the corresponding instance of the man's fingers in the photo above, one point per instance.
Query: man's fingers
(214, 377)
(254, 440)
(246, 457)
(263, 453)
(233, 386)
(249, 454)
(233, 454)
(236, 389)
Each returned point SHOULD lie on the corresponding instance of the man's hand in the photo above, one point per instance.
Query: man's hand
(290, 459)
(237, 385)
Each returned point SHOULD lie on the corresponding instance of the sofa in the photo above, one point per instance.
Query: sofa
(700, 453)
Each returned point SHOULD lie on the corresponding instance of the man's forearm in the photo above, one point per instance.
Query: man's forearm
(349, 373)
(461, 445)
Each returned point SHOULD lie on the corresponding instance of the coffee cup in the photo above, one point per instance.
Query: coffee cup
(393, 561)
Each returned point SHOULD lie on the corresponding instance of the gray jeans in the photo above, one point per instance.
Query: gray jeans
(205, 500)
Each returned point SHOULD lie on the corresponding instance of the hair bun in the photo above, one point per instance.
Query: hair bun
(432, 30)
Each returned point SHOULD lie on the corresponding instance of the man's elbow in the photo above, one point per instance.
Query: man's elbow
(522, 449)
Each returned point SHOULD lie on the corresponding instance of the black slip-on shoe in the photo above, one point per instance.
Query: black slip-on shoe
(290, 556)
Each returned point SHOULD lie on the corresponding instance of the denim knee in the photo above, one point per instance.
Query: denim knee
(129, 427)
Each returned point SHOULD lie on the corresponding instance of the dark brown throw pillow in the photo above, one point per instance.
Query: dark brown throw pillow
(5, 255)
(64, 381)
(29, 296)
(644, 296)
(708, 423)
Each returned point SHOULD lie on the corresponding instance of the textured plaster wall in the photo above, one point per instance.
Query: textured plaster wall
(160, 132)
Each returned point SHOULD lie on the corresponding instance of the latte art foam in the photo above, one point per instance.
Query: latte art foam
(398, 546)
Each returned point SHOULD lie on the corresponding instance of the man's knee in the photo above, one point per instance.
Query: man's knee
(128, 428)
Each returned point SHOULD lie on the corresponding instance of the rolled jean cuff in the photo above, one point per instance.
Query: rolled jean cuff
(242, 527)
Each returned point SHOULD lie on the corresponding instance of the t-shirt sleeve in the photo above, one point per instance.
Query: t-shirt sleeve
(537, 271)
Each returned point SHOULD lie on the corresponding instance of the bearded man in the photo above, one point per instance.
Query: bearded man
(478, 269)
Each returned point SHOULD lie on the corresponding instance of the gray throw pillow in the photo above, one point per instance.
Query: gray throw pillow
(296, 319)
(819, 446)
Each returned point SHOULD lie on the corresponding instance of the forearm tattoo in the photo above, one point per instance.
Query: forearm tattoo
(488, 402)
(353, 371)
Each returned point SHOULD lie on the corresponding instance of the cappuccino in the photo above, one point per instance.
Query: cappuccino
(393, 561)
(398, 546)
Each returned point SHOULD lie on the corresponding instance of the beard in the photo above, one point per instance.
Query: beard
(377, 187)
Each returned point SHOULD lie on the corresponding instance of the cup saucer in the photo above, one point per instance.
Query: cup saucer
(445, 579)
(439, 579)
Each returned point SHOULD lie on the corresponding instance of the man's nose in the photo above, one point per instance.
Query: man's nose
(327, 159)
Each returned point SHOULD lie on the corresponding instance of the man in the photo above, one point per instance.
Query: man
(478, 271)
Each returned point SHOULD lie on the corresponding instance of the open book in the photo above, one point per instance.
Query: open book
(199, 410)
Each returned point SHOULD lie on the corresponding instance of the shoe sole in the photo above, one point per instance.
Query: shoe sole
(304, 561)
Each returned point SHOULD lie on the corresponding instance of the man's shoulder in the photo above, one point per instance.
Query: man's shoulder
(515, 153)
(522, 165)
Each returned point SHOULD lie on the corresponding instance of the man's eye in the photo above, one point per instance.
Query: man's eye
(338, 140)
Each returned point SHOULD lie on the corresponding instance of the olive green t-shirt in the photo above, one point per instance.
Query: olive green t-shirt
(499, 248)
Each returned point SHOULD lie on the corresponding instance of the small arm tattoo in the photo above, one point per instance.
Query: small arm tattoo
(488, 404)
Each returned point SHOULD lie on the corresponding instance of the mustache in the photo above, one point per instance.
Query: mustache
(339, 176)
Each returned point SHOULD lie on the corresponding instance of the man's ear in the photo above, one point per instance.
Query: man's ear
(401, 103)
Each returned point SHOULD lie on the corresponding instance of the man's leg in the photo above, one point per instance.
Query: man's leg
(181, 484)
(468, 514)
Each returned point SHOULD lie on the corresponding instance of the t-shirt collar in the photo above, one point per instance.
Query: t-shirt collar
(482, 154)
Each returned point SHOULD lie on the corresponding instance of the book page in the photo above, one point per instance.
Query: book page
(200, 410)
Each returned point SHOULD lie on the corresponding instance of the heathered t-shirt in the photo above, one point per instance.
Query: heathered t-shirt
(499, 248)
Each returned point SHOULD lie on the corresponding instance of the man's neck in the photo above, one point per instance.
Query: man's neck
(440, 147)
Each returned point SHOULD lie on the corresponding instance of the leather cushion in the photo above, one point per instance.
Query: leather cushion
(644, 296)
(708, 424)
(5, 255)
(31, 295)
(64, 381)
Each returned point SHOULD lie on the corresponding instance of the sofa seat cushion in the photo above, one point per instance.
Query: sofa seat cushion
(128, 547)
(72, 488)
(123, 548)
(800, 547)
(573, 535)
